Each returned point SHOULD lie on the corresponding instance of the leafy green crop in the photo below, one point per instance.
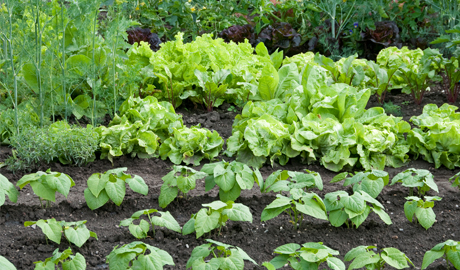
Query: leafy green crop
(420, 179)
(345, 71)
(75, 232)
(46, 184)
(381, 82)
(140, 231)
(300, 203)
(308, 256)
(138, 255)
(181, 178)
(215, 217)
(449, 249)
(343, 208)
(364, 256)
(212, 90)
(65, 258)
(231, 177)
(7, 188)
(278, 181)
(371, 182)
(423, 210)
(225, 256)
(5, 264)
(112, 185)
(455, 180)
(191, 145)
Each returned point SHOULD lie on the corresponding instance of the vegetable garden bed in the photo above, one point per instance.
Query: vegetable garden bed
(25, 245)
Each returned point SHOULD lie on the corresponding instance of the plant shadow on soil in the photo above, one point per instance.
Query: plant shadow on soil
(23, 246)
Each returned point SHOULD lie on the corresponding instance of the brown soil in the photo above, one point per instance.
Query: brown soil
(23, 246)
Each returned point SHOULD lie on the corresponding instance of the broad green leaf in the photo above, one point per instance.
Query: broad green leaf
(354, 252)
(431, 256)
(45, 266)
(232, 262)
(335, 263)
(224, 178)
(245, 256)
(138, 185)
(230, 195)
(42, 190)
(382, 214)
(151, 261)
(51, 229)
(239, 212)
(77, 263)
(337, 217)
(95, 202)
(77, 236)
(280, 260)
(359, 219)
(96, 183)
(287, 248)
(425, 216)
(200, 264)
(198, 252)
(5, 264)
(363, 259)
(167, 195)
(394, 257)
(354, 203)
(188, 227)
(205, 223)
(139, 231)
(116, 191)
(268, 265)
(454, 258)
(215, 205)
(409, 209)
(166, 220)
(61, 183)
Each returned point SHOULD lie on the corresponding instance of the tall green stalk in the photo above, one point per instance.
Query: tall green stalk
(114, 48)
(63, 65)
(94, 72)
(38, 59)
(15, 75)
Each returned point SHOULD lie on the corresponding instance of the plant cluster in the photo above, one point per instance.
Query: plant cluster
(138, 255)
(140, 231)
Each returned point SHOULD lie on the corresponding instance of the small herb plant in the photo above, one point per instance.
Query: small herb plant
(140, 231)
(343, 208)
(112, 185)
(231, 177)
(455, 180)
(138, 255)
(46, 184)
(223, 257)
(420, 179)
(423, 210)
(7, 188)
(364, 256)
(450, 250)
(181, 178)
(5, 264)
(215, 217)
(286, 180)
(65, 258)
(371, 182)
(308, 256)
(300, 203)
(75, 232)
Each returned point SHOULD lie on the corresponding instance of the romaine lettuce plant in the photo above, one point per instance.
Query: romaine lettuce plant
(308, 256)
(191, 145)
(224, 256)
(181, 178)
(449, 249)
(111, 185)
(5, 264)
(65, 258)
(46, 184)
(364, 256)
(140, 231)
(420, 179)
(215, 217)
(343, 208)
(286, 180)
(423, 210)
(371, 182)
(138, 255)
(231, 177)
(75, 232)
(7, 188)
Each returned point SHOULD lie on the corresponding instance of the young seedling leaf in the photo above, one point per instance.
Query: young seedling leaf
(138, 185)
(95, 202)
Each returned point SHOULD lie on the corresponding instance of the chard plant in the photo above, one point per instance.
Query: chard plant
(420, 179)
(364, 256)
(140, 231)
(423, 210)
(353, 209)
(306, 256)
(347, 73)
(231, 177)
(449, 249)
(75, 232)
(372, 182)
(111, 185)
(300, 203)
(455, 180)
(7, 188)
(213, 89)
(5, 264)
(215, 217)
(381, 82)
(451, 78)
(46, 184)
(286, 180)
(138, 255)
(66, 259)
(224, 256)
(180, 179)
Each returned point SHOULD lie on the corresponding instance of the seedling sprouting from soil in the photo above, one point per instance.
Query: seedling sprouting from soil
(140, 231)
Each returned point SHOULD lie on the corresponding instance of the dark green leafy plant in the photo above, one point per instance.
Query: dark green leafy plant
(140, 231)
(7, 188)
(215, 217)
(231, 177)
(449, 249)
(75, 232)
(420, 179)
(392, 109)
(138, 255)
(111, 185)
(423, 210)
(212, 90)
(181, 178)
(371, 182)
(343, 208)
(65, 258)
(364, 256)
(46, 184)
(300, 203)
(286, 180)
(308, 256)
(381, 82)
(5, 264)
(224, 257)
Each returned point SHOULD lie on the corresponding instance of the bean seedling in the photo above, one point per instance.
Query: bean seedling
(450, 250)
(133, 256)
(423, 210)
(65, 258)
(364, 256)
(420, 179)
(140, 231)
